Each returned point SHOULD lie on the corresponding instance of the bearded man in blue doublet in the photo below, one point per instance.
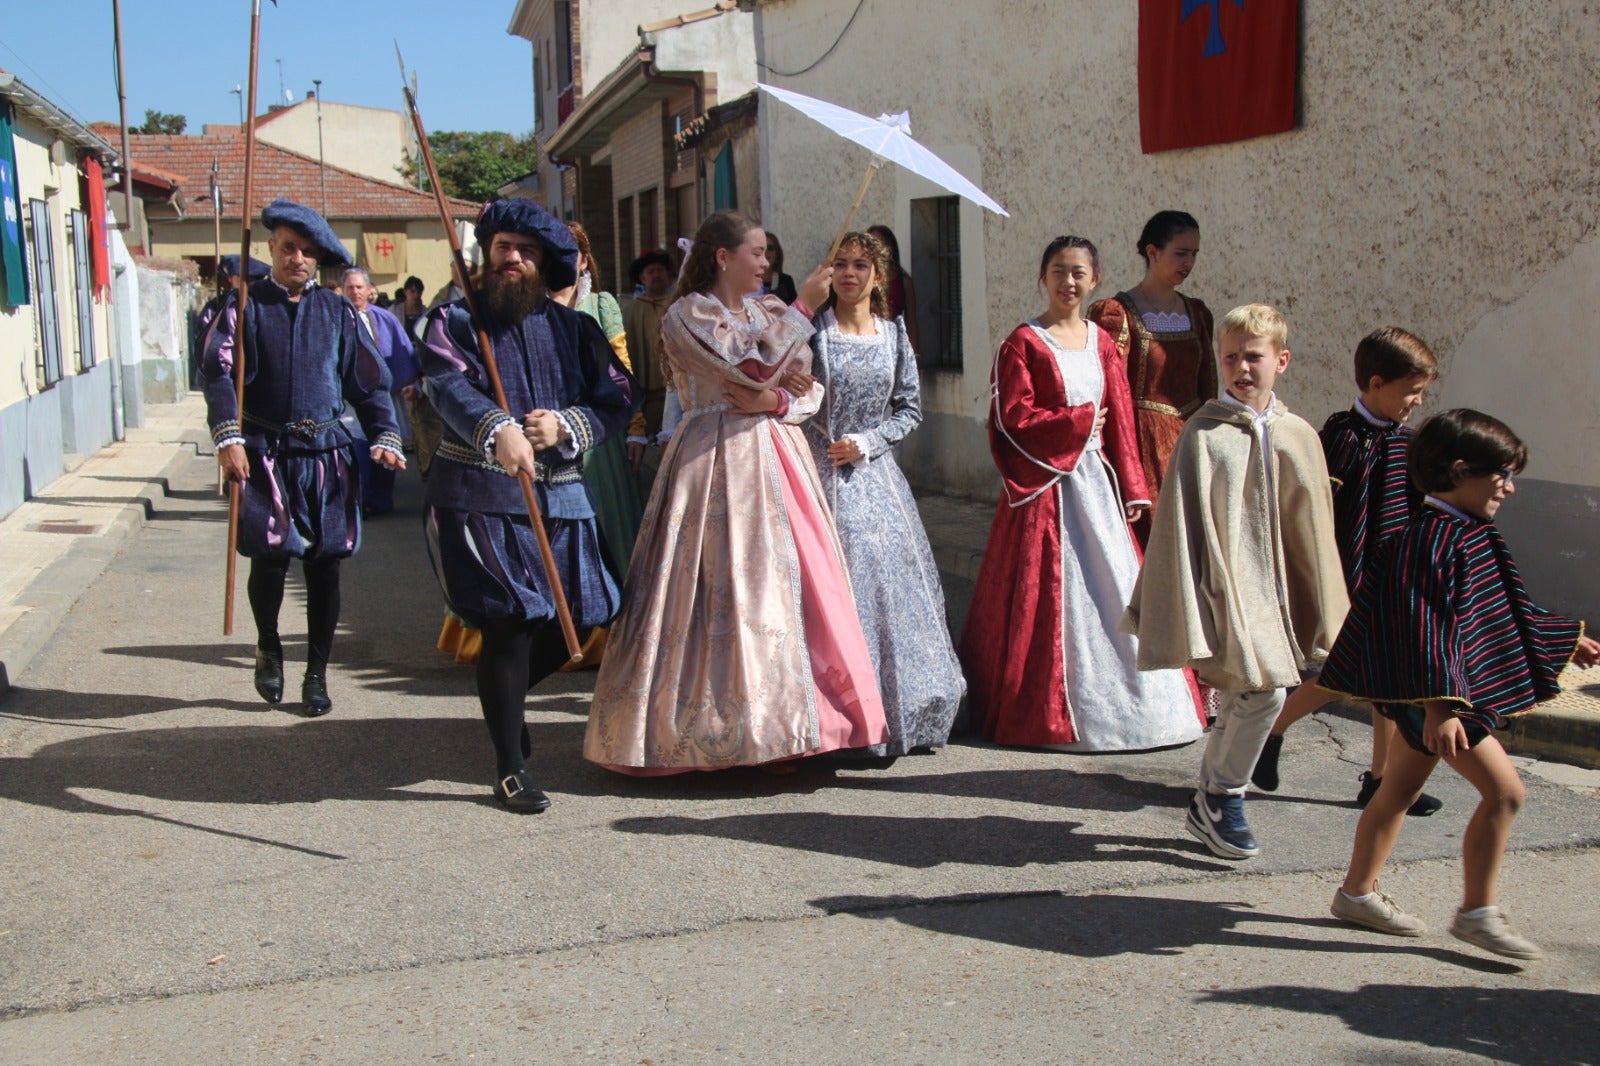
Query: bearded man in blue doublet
(565, 392)
(305, 356)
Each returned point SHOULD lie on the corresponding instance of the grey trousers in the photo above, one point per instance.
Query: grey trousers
(1243, 721)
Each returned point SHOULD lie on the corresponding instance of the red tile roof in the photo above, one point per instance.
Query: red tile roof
(278, 172)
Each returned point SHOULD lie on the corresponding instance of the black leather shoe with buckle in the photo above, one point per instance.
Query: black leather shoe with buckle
(269, 675)
(314, 696)
(517, 794)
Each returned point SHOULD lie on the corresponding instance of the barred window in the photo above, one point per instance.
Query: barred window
(83, 280)
(42, 260)
(936, 266)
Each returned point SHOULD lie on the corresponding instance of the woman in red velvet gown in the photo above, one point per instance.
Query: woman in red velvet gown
(1045, 661)
(1165, 341)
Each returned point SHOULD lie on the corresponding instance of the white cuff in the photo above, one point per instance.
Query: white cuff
(489, 435)
(568, 448)
(634, 438)
(226, 441)
(861, 446)
(386, 448)
(1137, 503)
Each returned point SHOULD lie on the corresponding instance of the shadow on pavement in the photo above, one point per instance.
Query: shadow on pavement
(1064, 787)
(922, 843)
(59, 705)
(1102, 926)
(1529, 1026)
(332, 758)
(325, 759)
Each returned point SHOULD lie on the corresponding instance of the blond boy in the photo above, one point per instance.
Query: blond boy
(1242, 581)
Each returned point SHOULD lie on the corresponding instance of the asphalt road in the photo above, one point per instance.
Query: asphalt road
(192, 875)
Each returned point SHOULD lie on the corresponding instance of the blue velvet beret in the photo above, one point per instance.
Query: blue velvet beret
(309, 225)
(560, 266)
(229, 267)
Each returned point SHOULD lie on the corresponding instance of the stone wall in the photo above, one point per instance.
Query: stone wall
(165, 301)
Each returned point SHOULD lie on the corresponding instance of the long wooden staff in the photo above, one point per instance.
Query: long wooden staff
(563, 612)
(241, 342)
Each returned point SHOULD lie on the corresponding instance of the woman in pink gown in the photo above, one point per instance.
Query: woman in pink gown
(738, 643)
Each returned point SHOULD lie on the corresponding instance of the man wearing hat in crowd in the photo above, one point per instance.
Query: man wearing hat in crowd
(641, 320)
(305, 356)
(227, 281)
(386, 333)
(566, 392)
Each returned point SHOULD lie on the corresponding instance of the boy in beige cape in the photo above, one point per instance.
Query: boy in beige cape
(1241, 581)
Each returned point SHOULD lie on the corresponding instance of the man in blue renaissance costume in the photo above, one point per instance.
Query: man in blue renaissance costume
(565, 392)
(305, 356)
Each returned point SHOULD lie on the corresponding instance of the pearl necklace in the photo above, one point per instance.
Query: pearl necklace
(747, 333)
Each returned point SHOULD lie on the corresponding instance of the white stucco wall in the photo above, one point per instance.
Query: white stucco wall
(608, 31)
(725, 44)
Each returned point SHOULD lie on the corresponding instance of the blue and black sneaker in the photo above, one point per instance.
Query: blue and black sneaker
(1218, 823)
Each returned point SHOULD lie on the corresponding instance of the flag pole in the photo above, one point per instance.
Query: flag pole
(241, 335)
(216, 224)
(529, 499)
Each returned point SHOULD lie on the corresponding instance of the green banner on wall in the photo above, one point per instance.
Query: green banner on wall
(13, 274)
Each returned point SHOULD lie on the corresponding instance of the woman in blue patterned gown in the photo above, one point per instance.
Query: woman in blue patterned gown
(872, 401)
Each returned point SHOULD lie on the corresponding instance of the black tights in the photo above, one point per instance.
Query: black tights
(516, 655)
(322, 606)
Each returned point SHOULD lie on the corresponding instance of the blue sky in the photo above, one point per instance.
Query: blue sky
(186, 58)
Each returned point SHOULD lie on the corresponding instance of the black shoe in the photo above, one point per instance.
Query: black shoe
(1424, 805)
(314, 696)
(516, 794)
(269, 675)
(1265, 775)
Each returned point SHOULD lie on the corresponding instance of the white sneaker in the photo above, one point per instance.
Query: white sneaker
(1493, 933)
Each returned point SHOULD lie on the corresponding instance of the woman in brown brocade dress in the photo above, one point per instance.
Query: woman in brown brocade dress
(1165, 339)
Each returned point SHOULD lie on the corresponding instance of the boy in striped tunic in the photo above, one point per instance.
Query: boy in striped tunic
(1445, 640)
(1373, 499)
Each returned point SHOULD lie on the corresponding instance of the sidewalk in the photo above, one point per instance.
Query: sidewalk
(1567, 729)
(55, 545)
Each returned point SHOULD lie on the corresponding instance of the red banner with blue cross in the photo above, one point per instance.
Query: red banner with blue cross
(1215, 71)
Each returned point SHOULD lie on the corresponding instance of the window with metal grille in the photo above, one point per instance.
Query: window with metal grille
(936, 265)
(83, 280)
(42, 254)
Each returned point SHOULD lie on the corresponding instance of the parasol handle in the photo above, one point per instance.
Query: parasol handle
(849, 217)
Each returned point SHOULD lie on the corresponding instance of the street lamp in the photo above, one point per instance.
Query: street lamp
(238, 90)
(322, 166)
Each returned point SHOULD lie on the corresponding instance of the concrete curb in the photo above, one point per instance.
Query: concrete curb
(59, 585)
(1557, 734)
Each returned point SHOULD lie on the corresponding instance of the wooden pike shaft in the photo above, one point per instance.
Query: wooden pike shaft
(563, 612)
(849, 217)
(241, 336)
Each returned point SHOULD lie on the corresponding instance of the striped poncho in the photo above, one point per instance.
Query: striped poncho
(1445, 616)
(1373, 496)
